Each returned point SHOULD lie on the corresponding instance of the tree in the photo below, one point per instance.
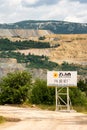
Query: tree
(78, 97)
(15, 87)
(41, 94)
(42, 38)
(82, 85)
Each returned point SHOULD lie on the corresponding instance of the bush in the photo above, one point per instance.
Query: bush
(42, 38)
(15, 88)
(41, 94)
(78, 98)
(82, 85)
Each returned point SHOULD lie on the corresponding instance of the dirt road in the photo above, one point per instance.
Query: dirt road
(34, 119)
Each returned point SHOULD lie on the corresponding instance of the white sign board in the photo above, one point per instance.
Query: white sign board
(62, 78)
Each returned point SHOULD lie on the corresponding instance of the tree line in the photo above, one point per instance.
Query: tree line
(35, 61)
(6, 44)
(31, 61)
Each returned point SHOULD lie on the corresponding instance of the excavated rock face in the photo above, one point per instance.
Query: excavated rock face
(72, 49)
(23, 33)
(8, 60)
(9, 65)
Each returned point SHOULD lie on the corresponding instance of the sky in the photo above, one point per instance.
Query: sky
(12, 11)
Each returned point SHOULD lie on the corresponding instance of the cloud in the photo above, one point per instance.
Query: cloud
(72, 19)
(82, 1)
(28, 3)
(68, 10)
(36, 3)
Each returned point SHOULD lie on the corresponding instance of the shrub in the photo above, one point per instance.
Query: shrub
(15, 88)
(78, 97)
(41, 94)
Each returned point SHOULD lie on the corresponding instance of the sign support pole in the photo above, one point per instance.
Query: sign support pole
(56, 96)
(59, 98)
(68, 104)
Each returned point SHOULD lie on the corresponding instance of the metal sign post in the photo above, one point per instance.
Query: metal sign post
(68, 100)
(60, 103)
(56, 96)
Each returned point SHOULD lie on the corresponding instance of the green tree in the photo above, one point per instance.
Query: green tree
(78, 98)
(41, 94)
(82, 85)
(42, 38)
(15, 87)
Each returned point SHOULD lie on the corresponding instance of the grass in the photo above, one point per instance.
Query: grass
(82, 109)
(7, 119)
(39, 106)
(2, 119)
(46, 107)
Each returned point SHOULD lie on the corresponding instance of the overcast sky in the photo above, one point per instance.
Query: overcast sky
(63, 10)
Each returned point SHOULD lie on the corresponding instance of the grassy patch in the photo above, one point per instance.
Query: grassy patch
(8, 119)
(2, 119)
(39, 106)
(46, 107)
(82, 109)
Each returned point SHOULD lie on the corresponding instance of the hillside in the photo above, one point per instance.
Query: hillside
(57, 27)
(8, 65)
(72, 49)
(23, 33)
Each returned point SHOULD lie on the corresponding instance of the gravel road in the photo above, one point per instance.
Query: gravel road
(35, 119)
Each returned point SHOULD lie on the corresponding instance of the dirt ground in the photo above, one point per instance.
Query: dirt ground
(35, 119)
